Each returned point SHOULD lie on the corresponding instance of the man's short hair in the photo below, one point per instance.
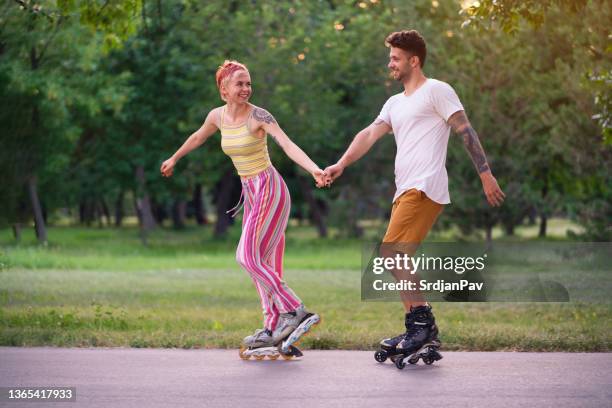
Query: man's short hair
(410, 41)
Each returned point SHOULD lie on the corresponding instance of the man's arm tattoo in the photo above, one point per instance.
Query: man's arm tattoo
(263, 115)
(461, 125)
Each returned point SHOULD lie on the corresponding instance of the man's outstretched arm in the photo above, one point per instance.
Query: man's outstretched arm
(363, 141)
(462, 126)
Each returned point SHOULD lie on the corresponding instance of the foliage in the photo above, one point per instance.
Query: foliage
(93, 90)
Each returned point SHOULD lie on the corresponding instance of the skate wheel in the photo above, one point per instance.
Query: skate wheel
(399, 363)
(275, 357)
(413, 360)
(428, 360)
(242, 354)
(435, 356)
(380, 356)
(259, 358)
(286, 356)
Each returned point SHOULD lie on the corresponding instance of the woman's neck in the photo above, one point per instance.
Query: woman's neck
(236, 110)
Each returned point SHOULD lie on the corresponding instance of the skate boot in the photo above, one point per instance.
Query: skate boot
(261, 344)
(293, 325)
(421, 340)
(388, 347)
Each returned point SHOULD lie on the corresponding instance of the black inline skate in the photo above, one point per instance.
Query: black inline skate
(420, 341)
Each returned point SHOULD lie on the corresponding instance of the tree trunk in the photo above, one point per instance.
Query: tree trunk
(43, 210)
(223, 203)
(141, 230)
(98, 214)
(299, 216)
(119, 209)
(143, 202)
(17, 232)
(105, 211)
(81, 213)
(532, 215)
(543, 213)
(159, 211)
(509, 229)
(198, 205)
(315, 210)
(179, 209)
(87, 212)
(543, 222)
(39, 219)
(41, 229)
(489, 234)
(143, 206)
(90, 212)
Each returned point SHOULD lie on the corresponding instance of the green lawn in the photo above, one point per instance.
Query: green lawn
(101, 287)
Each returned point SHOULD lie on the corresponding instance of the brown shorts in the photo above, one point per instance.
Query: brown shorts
(412, 216)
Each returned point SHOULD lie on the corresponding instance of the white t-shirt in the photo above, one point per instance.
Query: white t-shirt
(421, 134)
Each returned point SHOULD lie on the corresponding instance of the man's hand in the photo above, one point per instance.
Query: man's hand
(334, 171)
(167, 167)
(495, 196)
(321, 179)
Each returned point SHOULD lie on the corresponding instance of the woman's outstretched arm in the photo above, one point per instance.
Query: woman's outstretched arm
(196, 139)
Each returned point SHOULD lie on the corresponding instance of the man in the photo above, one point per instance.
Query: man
(420, 118)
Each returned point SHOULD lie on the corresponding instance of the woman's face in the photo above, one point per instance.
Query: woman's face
(238, 87)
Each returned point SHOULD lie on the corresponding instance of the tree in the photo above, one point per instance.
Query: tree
(40, 48)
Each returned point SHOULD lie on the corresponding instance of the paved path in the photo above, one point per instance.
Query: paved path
(218, 378)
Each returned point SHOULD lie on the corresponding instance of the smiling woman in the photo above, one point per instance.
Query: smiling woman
(225, 73)
(267, 203)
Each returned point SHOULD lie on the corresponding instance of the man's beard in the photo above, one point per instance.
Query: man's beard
(402, 76)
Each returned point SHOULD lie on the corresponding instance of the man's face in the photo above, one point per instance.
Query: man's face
(401, 64)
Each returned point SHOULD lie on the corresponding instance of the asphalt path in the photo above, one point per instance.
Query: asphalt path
(123, 377)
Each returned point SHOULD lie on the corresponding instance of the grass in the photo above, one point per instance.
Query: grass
(120, 249)
(101, 287)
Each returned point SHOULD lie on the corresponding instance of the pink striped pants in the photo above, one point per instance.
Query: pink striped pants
(262, 243)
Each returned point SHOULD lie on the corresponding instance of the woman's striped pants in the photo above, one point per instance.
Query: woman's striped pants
(262, 243)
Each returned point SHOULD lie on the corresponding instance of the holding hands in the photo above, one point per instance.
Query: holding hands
(333, 172)
(324, 178)
(320, 178)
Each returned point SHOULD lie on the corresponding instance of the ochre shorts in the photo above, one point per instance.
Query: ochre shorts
(412, 216)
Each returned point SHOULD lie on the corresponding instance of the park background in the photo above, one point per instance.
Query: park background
(97, 249)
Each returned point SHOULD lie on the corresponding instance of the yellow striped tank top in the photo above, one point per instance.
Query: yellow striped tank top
(248, 152)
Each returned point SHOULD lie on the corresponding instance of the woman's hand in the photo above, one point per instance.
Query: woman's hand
(167, 167)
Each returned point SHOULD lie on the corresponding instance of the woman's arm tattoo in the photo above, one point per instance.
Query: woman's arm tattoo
(263, 115)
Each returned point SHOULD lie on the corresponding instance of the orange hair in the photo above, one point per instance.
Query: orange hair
(226, 70)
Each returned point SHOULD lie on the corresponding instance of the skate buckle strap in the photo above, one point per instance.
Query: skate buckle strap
(302, 328)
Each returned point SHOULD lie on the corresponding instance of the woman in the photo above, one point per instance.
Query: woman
(244, 127)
